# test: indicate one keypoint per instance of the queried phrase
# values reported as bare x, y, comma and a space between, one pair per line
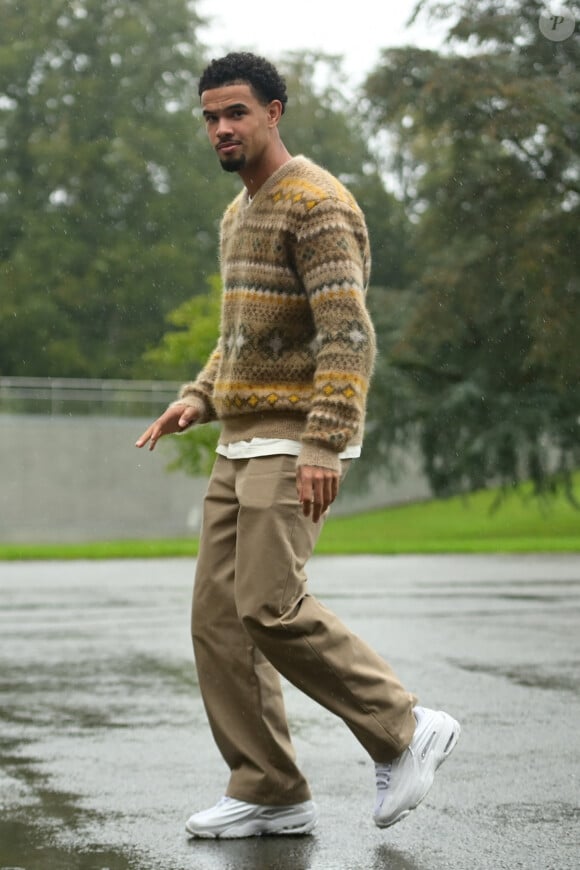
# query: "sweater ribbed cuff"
193, 401
316, 454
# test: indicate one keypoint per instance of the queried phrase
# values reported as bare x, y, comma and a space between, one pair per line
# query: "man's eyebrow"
229, 108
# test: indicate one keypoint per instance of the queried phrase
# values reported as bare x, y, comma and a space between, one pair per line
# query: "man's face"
238, 125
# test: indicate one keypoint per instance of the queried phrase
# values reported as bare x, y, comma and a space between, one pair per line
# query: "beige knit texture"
297, 346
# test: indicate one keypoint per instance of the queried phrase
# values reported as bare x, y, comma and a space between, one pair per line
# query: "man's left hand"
317, 488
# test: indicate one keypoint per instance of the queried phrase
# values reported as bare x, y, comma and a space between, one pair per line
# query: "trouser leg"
240, 688
304, 640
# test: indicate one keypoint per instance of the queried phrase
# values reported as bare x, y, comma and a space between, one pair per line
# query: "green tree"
324, 122
482, 363
193, 333
181, 354
107, 211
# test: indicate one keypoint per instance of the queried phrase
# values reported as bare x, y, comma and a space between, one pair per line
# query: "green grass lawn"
457, 525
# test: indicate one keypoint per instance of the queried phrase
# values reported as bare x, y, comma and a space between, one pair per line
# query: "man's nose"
224, 128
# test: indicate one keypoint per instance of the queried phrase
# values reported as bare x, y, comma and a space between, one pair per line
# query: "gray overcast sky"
355, 29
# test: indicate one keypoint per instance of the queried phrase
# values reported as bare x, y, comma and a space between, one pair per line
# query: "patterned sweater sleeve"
333, 260
198, 393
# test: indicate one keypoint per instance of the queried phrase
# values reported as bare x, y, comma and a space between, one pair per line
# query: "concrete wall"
82, 478
67, 478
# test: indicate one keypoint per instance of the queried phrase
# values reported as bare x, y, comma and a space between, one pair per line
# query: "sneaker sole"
256, 828
447, 750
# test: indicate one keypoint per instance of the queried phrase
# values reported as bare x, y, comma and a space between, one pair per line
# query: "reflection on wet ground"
26, 846
104, 747
563, 677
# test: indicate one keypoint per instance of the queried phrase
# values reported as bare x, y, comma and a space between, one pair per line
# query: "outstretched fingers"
175, 419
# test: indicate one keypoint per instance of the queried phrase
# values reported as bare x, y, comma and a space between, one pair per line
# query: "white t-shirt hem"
273, 447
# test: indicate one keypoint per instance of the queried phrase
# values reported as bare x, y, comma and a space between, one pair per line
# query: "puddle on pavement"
297, 853
528, 676
537, 814
25, 846
84, 695
29, 836
63, 697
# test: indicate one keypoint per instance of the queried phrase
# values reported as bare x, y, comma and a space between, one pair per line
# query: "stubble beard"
233, 165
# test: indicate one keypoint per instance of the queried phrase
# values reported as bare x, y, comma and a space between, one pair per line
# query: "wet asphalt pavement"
104, 748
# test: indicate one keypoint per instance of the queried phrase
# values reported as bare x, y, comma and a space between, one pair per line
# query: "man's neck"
254, 177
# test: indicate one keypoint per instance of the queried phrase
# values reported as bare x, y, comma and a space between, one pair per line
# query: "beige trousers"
253, 619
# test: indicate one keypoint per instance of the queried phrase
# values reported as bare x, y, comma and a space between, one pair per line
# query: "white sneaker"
403, 783
231, 818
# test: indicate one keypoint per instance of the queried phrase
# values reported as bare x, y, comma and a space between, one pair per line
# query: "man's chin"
233, 165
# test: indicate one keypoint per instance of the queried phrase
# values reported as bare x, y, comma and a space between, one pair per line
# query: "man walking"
288, 381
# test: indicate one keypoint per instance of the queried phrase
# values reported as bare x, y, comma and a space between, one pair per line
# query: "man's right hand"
175, 419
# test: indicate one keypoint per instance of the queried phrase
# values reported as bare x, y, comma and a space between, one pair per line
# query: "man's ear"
274, 110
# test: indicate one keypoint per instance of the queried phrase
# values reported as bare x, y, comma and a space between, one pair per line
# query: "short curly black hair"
243, 67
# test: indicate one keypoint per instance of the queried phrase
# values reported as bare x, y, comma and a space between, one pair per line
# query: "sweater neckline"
272, 180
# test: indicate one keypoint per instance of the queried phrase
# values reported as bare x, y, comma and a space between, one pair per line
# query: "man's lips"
227, 147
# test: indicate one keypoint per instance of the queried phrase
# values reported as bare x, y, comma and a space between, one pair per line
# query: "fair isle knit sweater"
297, 346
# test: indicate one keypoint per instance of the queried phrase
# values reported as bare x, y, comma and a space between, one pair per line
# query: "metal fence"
84, 396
